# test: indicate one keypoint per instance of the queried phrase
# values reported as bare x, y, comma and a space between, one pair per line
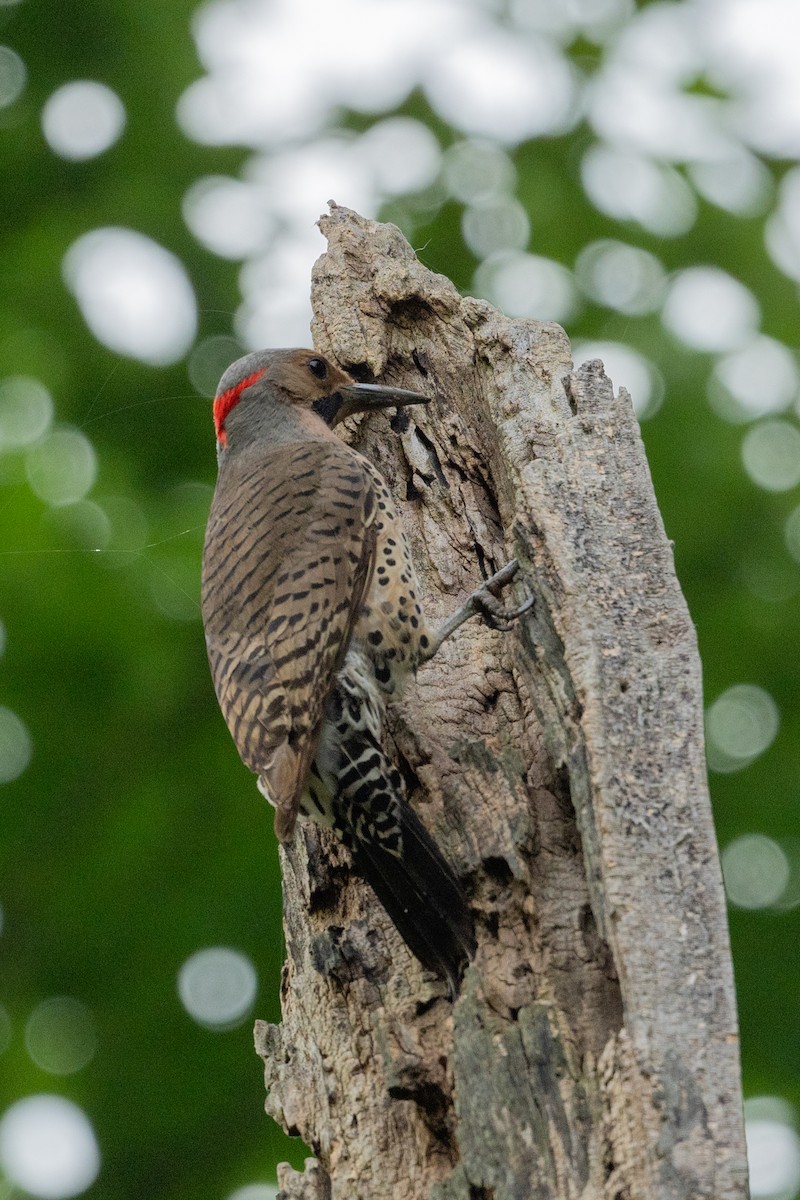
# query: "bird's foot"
484, 602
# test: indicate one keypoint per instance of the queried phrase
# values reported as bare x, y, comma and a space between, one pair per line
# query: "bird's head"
263, 387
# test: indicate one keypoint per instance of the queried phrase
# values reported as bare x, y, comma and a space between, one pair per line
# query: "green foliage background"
136, 837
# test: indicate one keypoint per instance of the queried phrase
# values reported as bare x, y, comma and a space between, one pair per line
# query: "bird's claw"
487, 605
495, 583
485, 600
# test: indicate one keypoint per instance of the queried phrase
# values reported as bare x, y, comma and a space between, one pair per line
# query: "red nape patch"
228, 400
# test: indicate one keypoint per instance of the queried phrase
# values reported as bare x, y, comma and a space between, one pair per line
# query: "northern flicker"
313, 619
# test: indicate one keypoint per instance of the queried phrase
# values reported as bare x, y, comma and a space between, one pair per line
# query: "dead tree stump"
593, 1052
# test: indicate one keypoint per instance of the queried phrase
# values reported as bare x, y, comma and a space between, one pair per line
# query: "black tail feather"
392, 849
422, 896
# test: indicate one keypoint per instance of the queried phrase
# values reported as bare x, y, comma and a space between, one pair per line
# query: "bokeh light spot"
496, 224
475, 170
82, 524
596, 19
769, 578
60, 1035
62, 467
773, 1155
621, 277
527, 285
294, 180
208, 362
189, 502
740, 725
628, 104
48, 1147
771, 455
710, 310
792, 533
228, 216
316, 63
135, 296
631, 187
760, 378
217, 987
26, 410
782, 231
740, 183
790, 896
184, 518
12, 76
774, 1164
402, 155
82, 119
773, 1147
756, 871
275, 311
751, 49
255, 1191
16, 747
175, 587
129, 528
496, 85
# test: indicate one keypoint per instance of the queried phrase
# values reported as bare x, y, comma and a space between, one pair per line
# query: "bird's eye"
318, 367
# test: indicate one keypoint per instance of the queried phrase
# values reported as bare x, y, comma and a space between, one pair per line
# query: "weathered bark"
593, 1050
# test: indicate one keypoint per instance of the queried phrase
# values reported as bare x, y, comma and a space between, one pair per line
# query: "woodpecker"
313, 620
